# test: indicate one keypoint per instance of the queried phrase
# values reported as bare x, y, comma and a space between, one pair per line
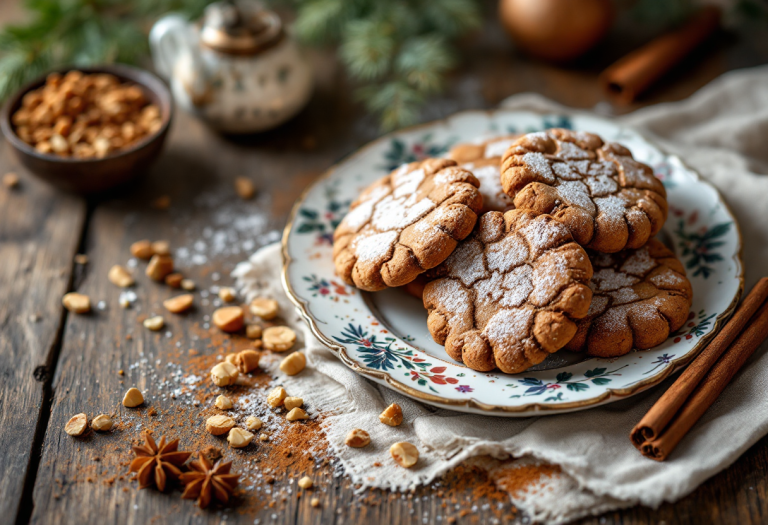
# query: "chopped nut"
239, 438
77, 425
247, 360
142, 250
292, 402
404, 454
180, 303
228, 318
119, 276
258, 343
278, 338
244, 188
223, 403
296, 414
174, 280
293, 364
253, 423
132, 398
77, 303
102, 423
305, 482
227, 294
154, 323
10, 180
392, 415
263, 437
188, 284
159, 267
219, 424
276, 397
253, 331
231, 358
161, 247
264, 308
315, 502
224, 374
357, 438
81, 258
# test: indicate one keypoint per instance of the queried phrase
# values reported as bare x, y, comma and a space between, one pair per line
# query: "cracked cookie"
483, 159
639, 298
508, 296
608, 200
406, 223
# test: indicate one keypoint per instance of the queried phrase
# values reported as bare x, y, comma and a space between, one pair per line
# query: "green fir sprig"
397, 51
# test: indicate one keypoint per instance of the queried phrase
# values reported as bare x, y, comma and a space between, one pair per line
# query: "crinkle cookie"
508, 296
406, 223
608, 200
483, 159
639, 298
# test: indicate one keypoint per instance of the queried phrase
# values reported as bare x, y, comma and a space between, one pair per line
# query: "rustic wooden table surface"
54, 364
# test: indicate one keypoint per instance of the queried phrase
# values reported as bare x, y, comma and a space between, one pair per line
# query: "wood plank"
40, 230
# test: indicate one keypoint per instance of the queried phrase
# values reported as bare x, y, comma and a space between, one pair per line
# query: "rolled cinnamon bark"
659, 416
631, 75
711, 387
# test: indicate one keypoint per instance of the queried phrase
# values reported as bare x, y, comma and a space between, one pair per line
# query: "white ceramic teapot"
236, 68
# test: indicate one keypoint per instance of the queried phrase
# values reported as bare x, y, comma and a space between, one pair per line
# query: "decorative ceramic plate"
384, 335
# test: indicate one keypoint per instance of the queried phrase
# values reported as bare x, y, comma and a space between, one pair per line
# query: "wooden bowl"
94, 175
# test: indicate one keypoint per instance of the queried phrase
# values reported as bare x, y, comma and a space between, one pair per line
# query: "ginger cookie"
406, 223
608, 200
639, 297
510, 293
483, 159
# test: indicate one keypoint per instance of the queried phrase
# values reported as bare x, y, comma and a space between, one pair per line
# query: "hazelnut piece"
161, 247
119, 276
77, 303
253, 331
159, 267
357, 438
264, 308
228, 318
224, 374
392, 415
174, 280
223, 403
404, 454
295, 414
154, 323
142, 250
305, 482
293, 364
278, 338
132, 398
247, 360
253, 423
239, 438
292, 402
180, 303
77, 425
219, 424
102, 423
188, 284
276, 397
226, 294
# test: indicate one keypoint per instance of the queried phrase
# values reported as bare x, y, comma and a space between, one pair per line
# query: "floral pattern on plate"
384, 335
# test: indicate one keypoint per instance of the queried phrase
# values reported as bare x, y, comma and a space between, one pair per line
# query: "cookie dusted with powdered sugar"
406, 223
510, 293
483, 159
608, 200
639, 298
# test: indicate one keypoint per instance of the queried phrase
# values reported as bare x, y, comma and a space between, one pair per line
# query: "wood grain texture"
39, 234
196, 171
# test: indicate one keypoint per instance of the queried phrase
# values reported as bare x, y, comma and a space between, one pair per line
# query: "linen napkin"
591, 465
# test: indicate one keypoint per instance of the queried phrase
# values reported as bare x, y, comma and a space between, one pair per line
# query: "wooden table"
55, 364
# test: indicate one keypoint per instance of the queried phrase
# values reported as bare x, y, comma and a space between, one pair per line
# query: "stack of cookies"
521, 246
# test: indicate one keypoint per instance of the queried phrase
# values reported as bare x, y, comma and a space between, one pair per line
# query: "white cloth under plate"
721, 132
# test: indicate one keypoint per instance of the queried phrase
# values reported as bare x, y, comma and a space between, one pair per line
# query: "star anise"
206, 481
156, 462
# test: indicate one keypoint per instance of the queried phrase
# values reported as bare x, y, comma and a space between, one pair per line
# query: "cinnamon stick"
659, 416
711, 386
631, 75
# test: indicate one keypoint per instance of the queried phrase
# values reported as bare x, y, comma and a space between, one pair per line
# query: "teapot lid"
240, 28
